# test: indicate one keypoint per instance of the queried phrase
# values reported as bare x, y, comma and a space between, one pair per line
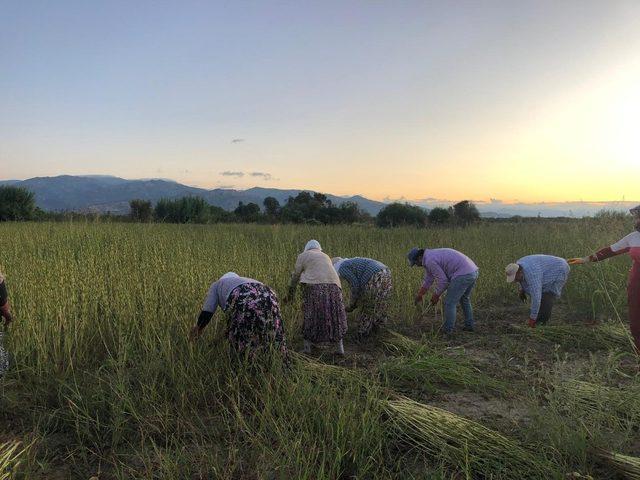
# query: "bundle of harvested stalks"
606, 336
622, 404
624, 464
402, 344
10, 454
325, 370
462, 443
423, 368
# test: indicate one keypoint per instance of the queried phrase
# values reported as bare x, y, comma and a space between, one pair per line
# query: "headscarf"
312, 245
229, 275
337, 261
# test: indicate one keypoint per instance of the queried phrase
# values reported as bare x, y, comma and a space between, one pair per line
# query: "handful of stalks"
626, 465
10, 454
462, 443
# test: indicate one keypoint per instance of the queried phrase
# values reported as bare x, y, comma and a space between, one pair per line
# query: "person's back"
545, 271
452, 262
315, 267
359, 270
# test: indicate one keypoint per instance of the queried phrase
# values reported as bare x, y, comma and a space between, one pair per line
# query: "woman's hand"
195, 333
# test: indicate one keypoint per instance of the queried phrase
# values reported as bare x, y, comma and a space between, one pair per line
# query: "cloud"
264, 175
228, 173
237, 140
495, 201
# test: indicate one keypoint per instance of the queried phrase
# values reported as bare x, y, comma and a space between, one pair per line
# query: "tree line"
17, 203
305, 207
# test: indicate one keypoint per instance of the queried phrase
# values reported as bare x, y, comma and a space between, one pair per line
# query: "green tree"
248, 213
16, 203
465, 212
439, 216
399, 214
141, 210
183, 210
271, 206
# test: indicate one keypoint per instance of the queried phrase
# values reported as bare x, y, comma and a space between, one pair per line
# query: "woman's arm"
602, 254
206, 314
295, 278
605, 253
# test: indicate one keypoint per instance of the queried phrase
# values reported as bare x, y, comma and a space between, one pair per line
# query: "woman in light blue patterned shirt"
371, 285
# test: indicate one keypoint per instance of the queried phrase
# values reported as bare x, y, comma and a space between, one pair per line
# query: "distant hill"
112, 194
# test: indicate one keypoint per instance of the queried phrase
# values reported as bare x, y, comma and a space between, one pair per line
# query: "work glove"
532, 323
435, 298
579, 260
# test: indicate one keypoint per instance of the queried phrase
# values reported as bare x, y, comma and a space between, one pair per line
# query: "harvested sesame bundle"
624, 464
462, 443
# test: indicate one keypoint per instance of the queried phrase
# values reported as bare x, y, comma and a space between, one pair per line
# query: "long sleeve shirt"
441, 265
218, 295
629, 244
357, 272
542, 274
313, 267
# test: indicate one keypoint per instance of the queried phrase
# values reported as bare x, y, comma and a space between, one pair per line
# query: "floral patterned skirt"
254, 320
325, 319
375, 302
4, 356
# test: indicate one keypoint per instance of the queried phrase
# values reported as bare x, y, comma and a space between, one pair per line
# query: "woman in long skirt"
325, 319
631, 245
370, 283
254, 322
5, 312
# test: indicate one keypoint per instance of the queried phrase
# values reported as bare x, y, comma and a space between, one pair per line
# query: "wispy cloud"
264, 175
237, 140
228, 173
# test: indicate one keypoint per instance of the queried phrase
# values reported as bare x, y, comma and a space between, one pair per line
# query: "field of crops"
105, 383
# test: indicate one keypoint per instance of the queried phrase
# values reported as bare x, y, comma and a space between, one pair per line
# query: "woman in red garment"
629, 244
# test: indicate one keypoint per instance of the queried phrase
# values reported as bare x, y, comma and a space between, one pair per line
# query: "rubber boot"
340, 347
306, 346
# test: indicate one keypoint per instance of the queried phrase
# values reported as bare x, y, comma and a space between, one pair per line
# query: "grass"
106, 384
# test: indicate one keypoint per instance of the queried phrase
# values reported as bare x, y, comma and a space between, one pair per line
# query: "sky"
515, 101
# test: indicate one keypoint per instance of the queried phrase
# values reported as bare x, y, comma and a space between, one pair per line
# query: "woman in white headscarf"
629, 244
253, 314
325, 319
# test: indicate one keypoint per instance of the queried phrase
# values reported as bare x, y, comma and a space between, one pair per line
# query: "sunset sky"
514, 100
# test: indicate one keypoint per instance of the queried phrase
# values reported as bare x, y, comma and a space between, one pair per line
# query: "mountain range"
100, 193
